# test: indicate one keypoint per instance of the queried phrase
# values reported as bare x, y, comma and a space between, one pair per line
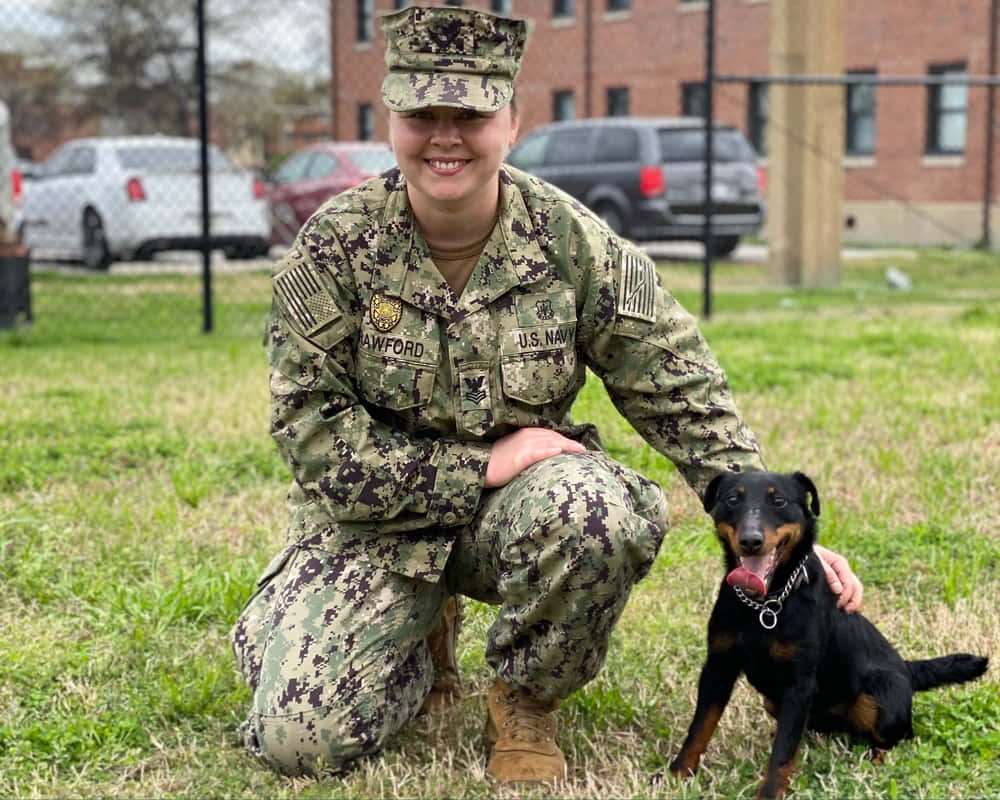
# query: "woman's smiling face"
451, 157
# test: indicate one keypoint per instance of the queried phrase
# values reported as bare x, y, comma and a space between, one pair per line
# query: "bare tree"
33, 95
134, 60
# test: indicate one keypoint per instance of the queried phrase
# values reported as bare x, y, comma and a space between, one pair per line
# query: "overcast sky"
295, 38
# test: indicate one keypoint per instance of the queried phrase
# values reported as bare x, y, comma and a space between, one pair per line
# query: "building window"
366, 122
619, 5
693, 99
859, 135
618, 101
456, 3
366, 20
562, 8
946, 112
500, 6
757, 117
563, 105
401, 4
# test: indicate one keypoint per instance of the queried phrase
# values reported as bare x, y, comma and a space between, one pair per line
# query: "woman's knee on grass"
360, 711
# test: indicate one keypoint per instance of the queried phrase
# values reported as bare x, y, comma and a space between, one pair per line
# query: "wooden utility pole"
806, 143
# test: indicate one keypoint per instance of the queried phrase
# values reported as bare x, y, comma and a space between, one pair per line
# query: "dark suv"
645, 176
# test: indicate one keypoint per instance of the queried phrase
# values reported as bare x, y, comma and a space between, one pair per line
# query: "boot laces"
525, 719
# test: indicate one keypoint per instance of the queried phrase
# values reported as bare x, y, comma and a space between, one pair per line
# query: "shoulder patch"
637, 291
304, 297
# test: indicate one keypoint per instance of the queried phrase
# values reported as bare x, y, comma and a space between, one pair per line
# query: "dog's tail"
955, 668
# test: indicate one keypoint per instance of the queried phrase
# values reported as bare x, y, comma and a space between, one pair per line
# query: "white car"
104, 199
9, 179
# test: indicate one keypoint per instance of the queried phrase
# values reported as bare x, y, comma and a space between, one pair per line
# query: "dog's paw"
682, 767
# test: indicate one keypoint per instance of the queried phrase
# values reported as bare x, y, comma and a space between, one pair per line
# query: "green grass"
140, 497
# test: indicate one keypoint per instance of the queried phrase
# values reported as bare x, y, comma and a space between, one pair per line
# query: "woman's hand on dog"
844, 583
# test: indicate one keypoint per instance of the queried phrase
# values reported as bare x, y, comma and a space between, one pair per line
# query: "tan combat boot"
522, 734
443, 642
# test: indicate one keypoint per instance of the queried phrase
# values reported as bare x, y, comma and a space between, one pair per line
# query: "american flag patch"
306, 300
637, 295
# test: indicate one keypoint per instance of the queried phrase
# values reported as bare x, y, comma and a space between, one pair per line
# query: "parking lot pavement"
177, 262
694, 251
758, 253
186, 262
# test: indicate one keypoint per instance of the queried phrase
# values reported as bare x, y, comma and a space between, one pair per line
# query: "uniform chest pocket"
396, 371
538, 356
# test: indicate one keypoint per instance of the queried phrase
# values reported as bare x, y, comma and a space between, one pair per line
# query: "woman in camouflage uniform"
429, 333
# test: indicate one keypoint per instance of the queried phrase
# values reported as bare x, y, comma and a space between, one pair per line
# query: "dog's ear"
712, 492
807, 484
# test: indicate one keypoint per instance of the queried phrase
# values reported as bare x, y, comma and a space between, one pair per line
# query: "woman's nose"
445, 131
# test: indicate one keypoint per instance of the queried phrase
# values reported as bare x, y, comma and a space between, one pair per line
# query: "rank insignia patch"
637, 295
474, 391
385, 312
305, 298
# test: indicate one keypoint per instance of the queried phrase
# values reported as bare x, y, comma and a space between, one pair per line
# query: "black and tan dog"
776, 620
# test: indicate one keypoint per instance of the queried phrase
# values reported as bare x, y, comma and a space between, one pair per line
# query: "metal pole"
990, 112
206, 214
706, 308
588, 56
334, 12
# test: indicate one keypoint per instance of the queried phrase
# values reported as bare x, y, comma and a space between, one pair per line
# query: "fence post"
206, 206
985, 240
706, 307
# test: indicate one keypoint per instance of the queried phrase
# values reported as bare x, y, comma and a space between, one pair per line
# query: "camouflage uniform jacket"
387, 390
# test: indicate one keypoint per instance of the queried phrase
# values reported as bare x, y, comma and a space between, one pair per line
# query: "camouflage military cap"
456, 57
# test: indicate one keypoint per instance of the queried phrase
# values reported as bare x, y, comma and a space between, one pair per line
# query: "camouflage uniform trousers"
334, 649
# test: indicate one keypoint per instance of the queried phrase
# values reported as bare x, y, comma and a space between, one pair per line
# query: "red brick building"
915, 156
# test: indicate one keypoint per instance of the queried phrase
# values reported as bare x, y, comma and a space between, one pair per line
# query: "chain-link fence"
105, 100
104, 103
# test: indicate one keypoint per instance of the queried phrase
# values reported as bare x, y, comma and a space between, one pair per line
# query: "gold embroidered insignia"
385, 312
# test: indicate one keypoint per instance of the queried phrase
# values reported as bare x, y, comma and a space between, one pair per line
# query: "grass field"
140, 496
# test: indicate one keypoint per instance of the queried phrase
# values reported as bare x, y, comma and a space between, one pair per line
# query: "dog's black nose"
751, 541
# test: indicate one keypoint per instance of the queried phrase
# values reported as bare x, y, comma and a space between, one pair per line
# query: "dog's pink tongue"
746, 580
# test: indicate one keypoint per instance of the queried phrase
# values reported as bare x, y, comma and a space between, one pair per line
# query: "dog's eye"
779, 501
733, 499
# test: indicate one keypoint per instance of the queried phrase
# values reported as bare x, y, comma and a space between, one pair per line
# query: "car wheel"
612, 217
95, 244
724, 245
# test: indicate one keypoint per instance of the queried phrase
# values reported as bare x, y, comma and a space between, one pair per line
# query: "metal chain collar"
771, 607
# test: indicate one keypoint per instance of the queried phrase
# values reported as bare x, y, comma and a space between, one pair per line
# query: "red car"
308, 178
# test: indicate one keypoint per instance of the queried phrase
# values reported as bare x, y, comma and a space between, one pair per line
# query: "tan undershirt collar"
457, 263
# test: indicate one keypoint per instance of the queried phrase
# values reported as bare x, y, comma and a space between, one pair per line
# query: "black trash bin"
15, 287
